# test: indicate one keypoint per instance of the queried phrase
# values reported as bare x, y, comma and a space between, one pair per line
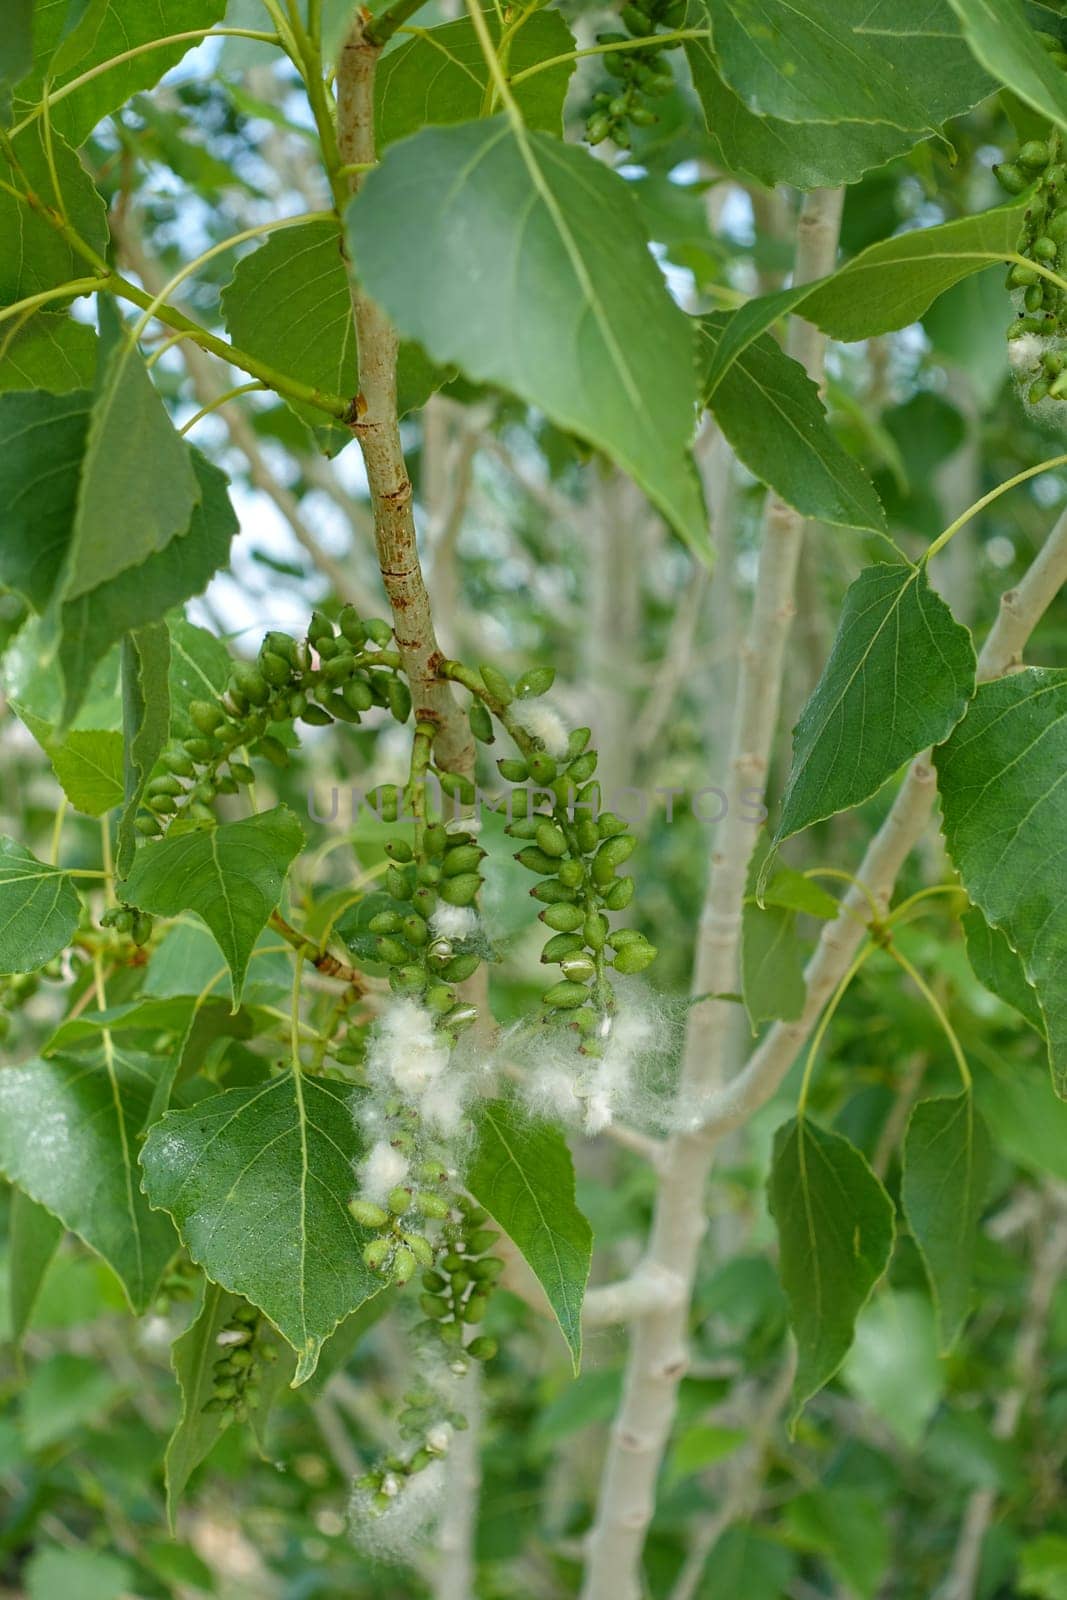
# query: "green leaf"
16, 51
87, 762
441, 77
946, 1169
745, 1563
903, 62
33, 255
289, 303
899, 678
199, 670
807, 155
997, 966
42, 440
847, 1524
885, 287
522, 1173
55, 1573
68, 1130
39, 909
893, 1365
231, 876
1031, 1123
772, 963
67, 46
64, 1394
193, 1356
1001, 777
146, 724
999, 33
797, 893
770, 412
258, 1181
522, 261
138, 488
33, 1239
144, 594
52, 353
700, 1446
835, 1233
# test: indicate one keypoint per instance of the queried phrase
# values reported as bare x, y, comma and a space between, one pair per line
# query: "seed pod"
597, 128
274, 669
421, 1248
461, 858
587, 834
399, 697
565, 996
1021, 277
497, 684
377, 1253
424, 901
434, 1281
391, 951
551, 892
385, 922
440, 998
578, 968
379, 631
1038, 391
1034, 154
404, 1265
1011, 177
242, 772
416, 931
520, 802
581, 769
571, 873
166, 783
487, 1269
536, 681
481, 722
563, 918
525, 829
367, 1214
1034, 298
620, 894
542, 767
561, 946
483, 1348
351, 625
535, 860
356, 695
164, 805
435, 1306
461, 890
251, 683
435, 839
635, 957
461, 1016
480, 1240
595, 930
206, 716
274, 750
475, 1308
1044, 248
316, 717
177, 760
512, 770
199, 749
551, 839
617, 849
431, 1205
398, 883
399, 1200
461, 967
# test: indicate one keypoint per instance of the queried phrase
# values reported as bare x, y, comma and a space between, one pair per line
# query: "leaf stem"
824, 1023
939, 1012
897, 914
497, 75
220, 400
381, 28
987, 499
653, 39
850, 878
57, 829
63, 291
140, 50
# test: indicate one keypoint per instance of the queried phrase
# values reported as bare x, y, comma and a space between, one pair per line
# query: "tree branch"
658, 1356
377, 429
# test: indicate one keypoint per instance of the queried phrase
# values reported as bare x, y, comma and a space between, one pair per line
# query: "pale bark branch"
658, 1355
376, 428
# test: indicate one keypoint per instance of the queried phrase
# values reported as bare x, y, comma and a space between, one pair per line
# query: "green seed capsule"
178, 761
356, 695
483, 1348
578, 968
481, 722
563, 918
535, 860
635, 957
551, 892
497, 685
565, 996
399, 1200
571, 873
435, 1306
561, 946
542, 767
512, 770
461, 858
379, 631
251, 683
1034, 154
416, 931
551, 839
1021, 277
404, 1265
206, 716
242, 772
166, 783
480, 1240
620, 894
421, 1248
424, 901
536, 681
461, 967
597, 128
432, 1205
399, 697
1011, 177
391, 951
274, 669
582, 769
618, 849
351, 625
475, 1308
385, 922
1038, 391
461, 890
595, 930
1044, 248
367, 1214
377, 1253
316, 717
439, 998
588, 835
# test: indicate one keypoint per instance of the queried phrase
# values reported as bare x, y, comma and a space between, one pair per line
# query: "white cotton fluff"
405, 1051
542, 722
382, 1170
397, 1533
454, 922
1026, 352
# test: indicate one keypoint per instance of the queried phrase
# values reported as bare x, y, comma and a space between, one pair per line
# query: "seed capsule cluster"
330, 675
641, 74
401, 1247
1041, 323
456, 1289
235, 1374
